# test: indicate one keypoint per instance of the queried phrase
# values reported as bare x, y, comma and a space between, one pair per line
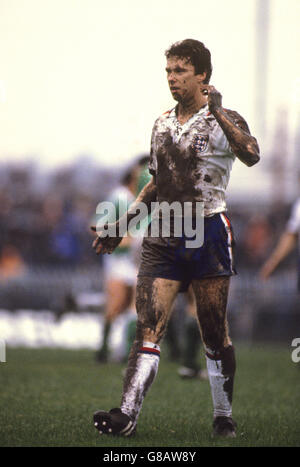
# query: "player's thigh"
118, 295
154, 300
211, 298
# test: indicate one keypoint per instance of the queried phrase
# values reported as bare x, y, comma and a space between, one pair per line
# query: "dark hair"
195, 52
127, 177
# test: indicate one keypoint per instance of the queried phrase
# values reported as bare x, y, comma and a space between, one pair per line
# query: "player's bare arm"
243, 145
286, 243
107, 244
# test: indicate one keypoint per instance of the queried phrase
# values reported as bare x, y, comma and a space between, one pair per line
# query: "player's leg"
211, 297
154, 299
118, 299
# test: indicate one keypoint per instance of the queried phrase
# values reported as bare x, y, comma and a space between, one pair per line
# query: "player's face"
183, 81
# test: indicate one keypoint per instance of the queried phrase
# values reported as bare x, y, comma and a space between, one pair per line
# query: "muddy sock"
221, 369
142, 368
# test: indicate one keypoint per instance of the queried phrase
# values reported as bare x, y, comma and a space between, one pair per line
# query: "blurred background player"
119, 268
285, 245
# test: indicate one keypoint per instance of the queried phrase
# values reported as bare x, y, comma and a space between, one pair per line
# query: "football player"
193, 148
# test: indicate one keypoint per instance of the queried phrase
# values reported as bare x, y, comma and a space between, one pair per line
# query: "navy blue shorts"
169, 258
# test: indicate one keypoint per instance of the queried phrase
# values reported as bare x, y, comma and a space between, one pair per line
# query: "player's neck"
186, 109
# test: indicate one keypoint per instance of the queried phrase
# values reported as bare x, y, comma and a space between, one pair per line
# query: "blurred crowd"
45, 219
47, 261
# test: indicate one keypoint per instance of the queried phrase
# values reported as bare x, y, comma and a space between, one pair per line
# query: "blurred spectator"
11, 263
257, 240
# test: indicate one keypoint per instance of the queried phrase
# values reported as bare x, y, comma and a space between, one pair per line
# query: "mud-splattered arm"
108, 243
146, 196
242, 143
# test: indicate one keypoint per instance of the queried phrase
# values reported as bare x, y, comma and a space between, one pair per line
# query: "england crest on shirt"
200, 142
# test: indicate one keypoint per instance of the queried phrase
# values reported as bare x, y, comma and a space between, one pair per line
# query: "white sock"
140, 375
221, 369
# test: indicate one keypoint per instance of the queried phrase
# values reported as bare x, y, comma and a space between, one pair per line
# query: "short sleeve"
293, 225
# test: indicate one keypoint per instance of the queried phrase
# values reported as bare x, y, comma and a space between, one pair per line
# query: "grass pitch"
48, 397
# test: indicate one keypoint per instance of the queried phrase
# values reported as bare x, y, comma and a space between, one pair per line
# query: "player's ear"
201, 77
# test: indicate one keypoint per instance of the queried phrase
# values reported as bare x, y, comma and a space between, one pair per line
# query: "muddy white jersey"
192, 162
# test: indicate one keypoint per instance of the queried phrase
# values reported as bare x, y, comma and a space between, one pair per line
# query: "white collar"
202, 111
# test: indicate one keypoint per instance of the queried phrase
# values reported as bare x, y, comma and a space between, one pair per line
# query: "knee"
112, 312
215, 334
216, 341
146, 331
149, 329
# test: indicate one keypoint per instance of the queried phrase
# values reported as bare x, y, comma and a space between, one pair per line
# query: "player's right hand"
104, 244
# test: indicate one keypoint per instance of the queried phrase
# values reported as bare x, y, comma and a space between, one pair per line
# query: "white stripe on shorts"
229, 236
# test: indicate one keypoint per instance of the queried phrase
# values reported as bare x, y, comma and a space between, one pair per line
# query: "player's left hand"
214, 97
